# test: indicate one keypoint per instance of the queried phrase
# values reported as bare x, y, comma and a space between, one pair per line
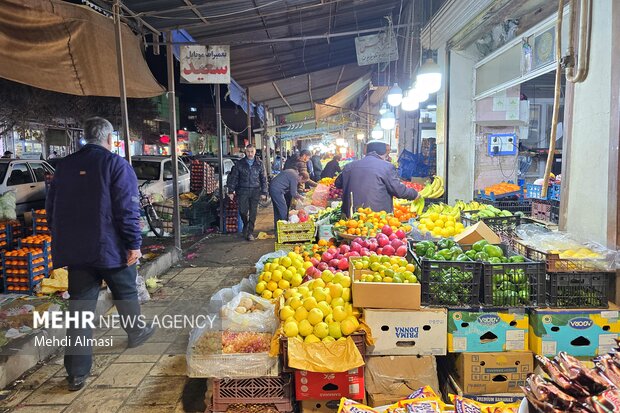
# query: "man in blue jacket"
248, 181
372, 182
93, 211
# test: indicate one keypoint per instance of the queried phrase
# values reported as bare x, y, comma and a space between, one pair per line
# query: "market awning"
342, 99
68, 48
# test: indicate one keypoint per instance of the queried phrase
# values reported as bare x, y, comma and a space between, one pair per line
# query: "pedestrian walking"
372, 182
249, 182
283, 188
93, 212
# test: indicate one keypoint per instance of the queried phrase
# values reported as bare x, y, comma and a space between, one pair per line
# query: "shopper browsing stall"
284, 187
332, 168
372, 182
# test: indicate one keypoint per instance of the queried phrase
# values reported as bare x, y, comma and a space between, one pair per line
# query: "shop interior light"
343, 151
388, 121
377, 132
410, 101
360, 136
419, 93
383, 109
340, 141
429, 77
432, 106
395, 95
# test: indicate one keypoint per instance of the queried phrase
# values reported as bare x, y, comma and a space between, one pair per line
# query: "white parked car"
158, 170
27, 179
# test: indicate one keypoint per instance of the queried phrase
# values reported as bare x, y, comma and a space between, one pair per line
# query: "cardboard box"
454, 388
477, 232
579, 332
384, 295
399, 376
475, 331
408, 333
320, 406
486, 373
330, 386
378, 399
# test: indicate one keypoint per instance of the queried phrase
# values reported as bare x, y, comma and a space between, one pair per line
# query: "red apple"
373, 245
354, 254
401, 251
365, 252
382, 240
327, 257
343, 264
401, 234
387, 230
310, 270
322, 266
344, 248
332, 269
306, 278
333, 250
357, 240
355, 246
314, 261
388, 250
396, 243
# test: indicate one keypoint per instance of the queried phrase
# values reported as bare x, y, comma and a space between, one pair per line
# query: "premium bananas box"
579, 332
475, 331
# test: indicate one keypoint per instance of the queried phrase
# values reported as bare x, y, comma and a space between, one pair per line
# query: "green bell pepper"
471, 254
463, 257
517, 258
479, 246
495, 260
482, 256
493, 251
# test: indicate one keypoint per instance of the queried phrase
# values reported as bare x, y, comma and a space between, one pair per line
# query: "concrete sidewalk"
151, 378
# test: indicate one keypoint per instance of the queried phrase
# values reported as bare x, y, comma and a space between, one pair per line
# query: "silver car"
158, 170
27, 179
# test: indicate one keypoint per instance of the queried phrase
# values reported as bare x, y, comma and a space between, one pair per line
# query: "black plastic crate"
578, 289
450, 283
517, 205
514, 284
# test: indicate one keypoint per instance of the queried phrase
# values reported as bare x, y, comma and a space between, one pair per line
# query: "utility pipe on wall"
583, 55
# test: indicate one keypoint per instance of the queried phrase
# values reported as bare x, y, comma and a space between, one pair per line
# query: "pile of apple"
320, 310
334, 259
388, 242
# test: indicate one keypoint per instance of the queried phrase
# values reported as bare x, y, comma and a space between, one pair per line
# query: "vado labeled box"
330, 386
579, 332
477, 232
487, 373
478, 331
384, 295
408, 333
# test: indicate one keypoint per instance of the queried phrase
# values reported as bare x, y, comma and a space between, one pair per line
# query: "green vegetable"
463, 257
471, 254
479, 246
494, 260
445, 243
482, 256
493, 251
517, 258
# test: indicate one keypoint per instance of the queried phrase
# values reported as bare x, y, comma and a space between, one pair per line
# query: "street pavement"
151, 378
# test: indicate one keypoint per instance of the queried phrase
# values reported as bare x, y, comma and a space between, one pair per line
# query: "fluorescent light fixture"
388, 121
395, 95
377, 132
429, 77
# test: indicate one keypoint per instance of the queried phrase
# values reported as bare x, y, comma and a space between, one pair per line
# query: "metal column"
220, 145
121, 77
176, 216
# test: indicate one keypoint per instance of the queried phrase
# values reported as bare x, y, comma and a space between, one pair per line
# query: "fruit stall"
435, 307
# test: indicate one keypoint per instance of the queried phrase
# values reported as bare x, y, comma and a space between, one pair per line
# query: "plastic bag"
260, 265
247, 312
411, 164
7, 206
320, 196
334, 357
143, 293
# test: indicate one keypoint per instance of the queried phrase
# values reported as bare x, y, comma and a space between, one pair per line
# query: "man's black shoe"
250, 237
76, 382
141, 337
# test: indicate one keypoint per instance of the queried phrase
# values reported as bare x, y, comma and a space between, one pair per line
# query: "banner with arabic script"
205, 64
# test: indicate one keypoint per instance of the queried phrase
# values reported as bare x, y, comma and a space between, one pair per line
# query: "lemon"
276, 275
260, 287
266, 295
272, 285
430, 226
434, 216
439, 223
277, 293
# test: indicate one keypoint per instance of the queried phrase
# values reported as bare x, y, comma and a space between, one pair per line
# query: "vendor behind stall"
372, 182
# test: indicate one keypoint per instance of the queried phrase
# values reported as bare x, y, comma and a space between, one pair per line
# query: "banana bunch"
471, 206
434, 189
443, 209
417, 206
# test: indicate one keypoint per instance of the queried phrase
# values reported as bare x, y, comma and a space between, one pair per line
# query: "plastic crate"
504, 227
554, 263
291, 246
554, 192
535, 192
519, 205
578, 289
22, 273
39, 222
530, 274
276, 391
495, 197
298, 232
359, 338
444, 286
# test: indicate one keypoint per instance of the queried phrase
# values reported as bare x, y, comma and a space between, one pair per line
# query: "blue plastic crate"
554, 192
535, 192
493, 197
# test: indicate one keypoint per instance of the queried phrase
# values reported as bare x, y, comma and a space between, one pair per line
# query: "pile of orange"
38, 239
23, 252
501, 188
402, 212
368, 223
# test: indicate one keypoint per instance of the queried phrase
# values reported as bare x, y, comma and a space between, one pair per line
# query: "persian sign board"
205, 64
376, 48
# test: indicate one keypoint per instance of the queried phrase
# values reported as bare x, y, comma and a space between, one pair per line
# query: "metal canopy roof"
271, 39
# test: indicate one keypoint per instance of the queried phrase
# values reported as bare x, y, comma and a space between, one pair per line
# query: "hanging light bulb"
410, 101
388, 121
377, 132
419, 93
429, 76
395, 95
383, 109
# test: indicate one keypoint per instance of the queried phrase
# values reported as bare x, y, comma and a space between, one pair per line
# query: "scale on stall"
502, 144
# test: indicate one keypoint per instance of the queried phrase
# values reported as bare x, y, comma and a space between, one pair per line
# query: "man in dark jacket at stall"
316, 166
94, 214
332, 168
248, 180
372, 181
282, 190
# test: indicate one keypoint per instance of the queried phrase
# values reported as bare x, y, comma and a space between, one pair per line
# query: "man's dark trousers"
248, 205
84, 287
280, 208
